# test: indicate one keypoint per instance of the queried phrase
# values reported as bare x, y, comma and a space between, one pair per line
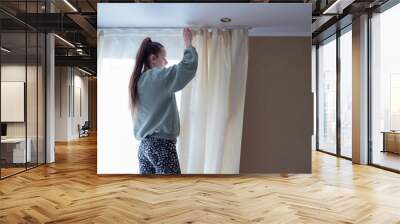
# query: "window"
385, 88
327, 95
334, 94
116, 60
346, 93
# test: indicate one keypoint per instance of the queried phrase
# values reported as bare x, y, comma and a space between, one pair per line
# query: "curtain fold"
212, 104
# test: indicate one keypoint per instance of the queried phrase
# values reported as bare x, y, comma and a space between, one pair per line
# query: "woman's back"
156, 112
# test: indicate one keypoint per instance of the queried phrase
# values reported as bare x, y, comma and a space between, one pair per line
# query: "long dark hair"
146, 49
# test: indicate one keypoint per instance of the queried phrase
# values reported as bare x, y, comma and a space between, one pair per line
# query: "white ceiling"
264, 19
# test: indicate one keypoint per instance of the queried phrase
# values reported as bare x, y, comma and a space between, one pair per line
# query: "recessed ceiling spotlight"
226, 20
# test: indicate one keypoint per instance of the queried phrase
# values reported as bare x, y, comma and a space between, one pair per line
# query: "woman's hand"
187, 37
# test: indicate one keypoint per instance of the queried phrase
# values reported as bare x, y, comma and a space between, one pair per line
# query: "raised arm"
178, 76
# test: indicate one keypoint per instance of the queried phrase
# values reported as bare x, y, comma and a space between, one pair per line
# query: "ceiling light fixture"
79, 51
64, 40
5, 49
84, 71
226, 20
326, 11
70, 5
337, 7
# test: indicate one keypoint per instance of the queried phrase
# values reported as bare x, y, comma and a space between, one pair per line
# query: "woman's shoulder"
157, 74
149, 77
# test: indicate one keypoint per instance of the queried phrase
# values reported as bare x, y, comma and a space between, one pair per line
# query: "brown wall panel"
278, 114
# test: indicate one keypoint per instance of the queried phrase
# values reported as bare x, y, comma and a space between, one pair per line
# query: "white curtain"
212, 104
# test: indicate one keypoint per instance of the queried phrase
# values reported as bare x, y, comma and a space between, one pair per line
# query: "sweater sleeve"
176, 77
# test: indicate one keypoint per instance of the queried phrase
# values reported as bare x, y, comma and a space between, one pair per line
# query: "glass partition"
22, 78
41, 91
32, 95
13, 105
33, 63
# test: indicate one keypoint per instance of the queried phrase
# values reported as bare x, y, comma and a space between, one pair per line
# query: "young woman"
152, 96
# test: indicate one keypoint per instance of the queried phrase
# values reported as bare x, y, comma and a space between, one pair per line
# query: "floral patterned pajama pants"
158, 156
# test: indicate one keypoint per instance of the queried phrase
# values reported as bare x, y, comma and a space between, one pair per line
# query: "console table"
391, 141
13, 150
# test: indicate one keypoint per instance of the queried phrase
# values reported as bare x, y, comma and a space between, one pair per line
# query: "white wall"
12, 101
69, 84
80, 83
61, 103
12, 73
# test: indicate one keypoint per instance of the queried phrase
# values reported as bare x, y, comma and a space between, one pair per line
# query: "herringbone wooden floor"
70, 191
